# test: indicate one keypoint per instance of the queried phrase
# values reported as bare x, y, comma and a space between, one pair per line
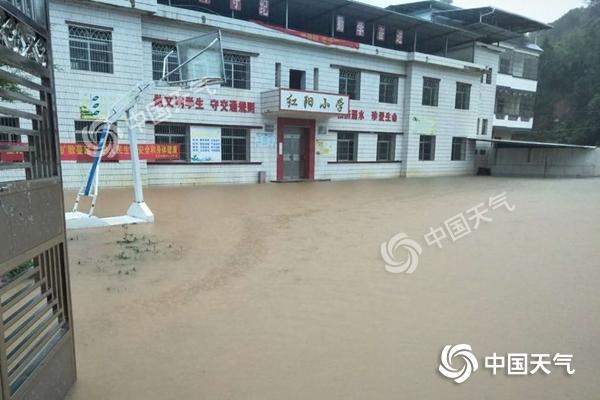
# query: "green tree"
568, 104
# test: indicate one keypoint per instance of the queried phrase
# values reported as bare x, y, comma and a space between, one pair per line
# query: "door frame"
309, 145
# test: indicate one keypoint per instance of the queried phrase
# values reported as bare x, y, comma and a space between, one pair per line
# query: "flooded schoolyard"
279, 291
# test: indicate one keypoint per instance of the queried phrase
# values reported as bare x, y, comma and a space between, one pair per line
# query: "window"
277, 74
346, 146
488, 76
530, 67
385, 146
350, 83
388, 89
526, 106
159, 52
237, 70
234, 144
500, 105
82, 135
91, 139
459, 149
506, 63
297, 79
316, 79
427, 148
11, 122
90, 49
484, 126
463, 95
431, 91
173, 134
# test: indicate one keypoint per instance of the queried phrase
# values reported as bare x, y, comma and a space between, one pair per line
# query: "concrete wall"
545, 162
445, 121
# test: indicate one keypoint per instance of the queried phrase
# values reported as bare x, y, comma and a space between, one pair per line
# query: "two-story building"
314, 89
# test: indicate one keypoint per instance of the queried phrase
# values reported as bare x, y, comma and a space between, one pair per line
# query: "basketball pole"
138, 211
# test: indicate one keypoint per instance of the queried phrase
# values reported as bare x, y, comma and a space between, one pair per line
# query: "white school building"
324, 90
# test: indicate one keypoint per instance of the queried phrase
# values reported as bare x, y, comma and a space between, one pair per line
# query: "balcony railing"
525, 119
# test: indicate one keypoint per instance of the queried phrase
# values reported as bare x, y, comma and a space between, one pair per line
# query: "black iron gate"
37, 358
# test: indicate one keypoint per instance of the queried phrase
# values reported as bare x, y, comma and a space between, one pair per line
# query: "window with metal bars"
385, 146
235, 144
81, 131
26, 6
388, 89
463, 96
173, 134
90, 49
350, 83
237, 70
431, 91
11, 122
159, 52
346, 146
93, 139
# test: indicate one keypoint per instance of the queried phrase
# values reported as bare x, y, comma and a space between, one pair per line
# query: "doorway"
294, 153
297, 79
295, 149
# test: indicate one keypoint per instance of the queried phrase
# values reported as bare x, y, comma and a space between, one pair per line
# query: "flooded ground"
279, 291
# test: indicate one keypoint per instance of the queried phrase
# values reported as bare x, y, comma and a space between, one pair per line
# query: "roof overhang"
502, 143
493, 24
315, 16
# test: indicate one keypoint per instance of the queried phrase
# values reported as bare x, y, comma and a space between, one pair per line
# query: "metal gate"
37, 357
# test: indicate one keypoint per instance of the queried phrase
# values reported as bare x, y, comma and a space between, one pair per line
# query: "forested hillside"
568, 103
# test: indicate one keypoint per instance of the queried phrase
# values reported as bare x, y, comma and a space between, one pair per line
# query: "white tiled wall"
132, 36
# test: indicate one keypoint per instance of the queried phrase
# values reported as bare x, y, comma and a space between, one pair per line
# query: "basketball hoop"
200, 61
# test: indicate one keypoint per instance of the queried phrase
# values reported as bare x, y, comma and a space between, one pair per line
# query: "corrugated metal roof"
521, 143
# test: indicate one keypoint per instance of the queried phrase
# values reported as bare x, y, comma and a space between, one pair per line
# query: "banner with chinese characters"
297, 100
235, 5
339, 23
205, 143
199, 103
360, 28
315, 37
374, 115
150, 152
380, 33
399, 36
263, 8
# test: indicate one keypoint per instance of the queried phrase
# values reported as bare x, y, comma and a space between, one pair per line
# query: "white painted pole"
135, 162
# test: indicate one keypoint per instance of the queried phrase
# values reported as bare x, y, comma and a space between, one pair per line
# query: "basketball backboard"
200, 59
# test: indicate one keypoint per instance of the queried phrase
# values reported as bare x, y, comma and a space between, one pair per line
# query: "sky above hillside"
541, 10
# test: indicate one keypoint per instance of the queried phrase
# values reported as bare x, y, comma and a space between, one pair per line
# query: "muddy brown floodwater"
279, 291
